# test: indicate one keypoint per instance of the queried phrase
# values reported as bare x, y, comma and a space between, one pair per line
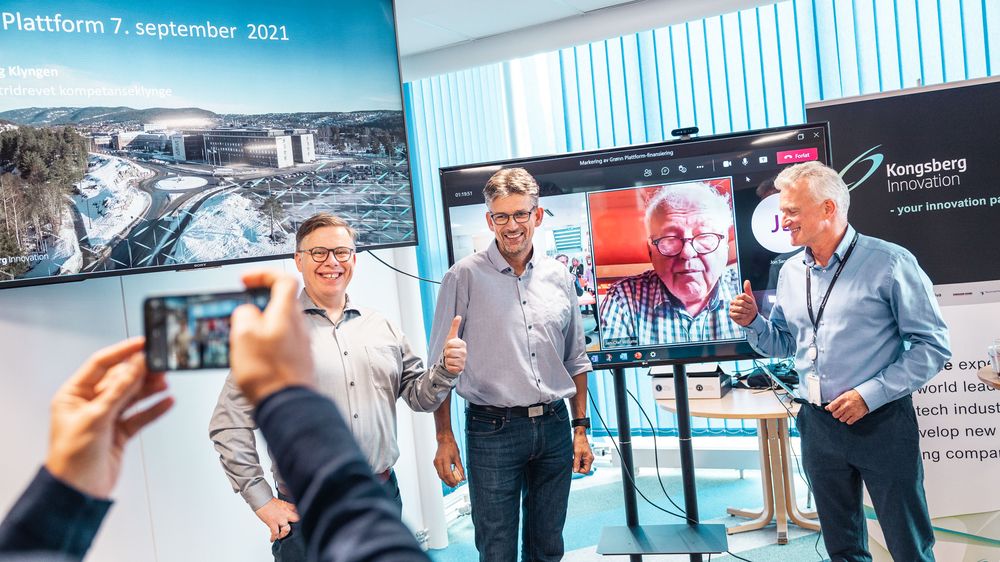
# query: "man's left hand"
583, 457
849, 407
92, 417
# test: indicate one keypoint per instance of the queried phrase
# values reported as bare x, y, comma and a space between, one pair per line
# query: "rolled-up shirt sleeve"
575, 356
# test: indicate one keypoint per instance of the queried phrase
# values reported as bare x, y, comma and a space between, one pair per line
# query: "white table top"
739, 403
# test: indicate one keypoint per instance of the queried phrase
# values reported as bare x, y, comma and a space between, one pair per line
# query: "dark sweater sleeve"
346, 515
52, 517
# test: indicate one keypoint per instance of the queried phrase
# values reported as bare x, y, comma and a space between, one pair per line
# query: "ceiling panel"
591, 5
418, 36
426, 25
482, 19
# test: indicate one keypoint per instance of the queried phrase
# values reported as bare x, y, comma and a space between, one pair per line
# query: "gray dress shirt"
364, 364
524, 334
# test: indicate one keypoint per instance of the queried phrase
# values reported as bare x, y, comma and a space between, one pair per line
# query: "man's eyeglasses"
319, 253
670, 246
519, 217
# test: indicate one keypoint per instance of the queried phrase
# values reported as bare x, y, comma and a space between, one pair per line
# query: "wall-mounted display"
144, 136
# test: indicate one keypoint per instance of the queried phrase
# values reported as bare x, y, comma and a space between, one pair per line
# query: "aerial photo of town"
151, 154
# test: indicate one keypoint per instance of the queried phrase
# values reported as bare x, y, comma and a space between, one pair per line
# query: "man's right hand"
270, 349
448, 462
278, 515
743, 308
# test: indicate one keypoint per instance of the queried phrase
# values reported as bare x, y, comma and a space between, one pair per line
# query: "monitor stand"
634, 540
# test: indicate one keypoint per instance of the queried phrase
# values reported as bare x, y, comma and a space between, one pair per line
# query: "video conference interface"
659, 238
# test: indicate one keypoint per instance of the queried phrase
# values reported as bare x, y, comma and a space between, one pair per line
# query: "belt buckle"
535, 411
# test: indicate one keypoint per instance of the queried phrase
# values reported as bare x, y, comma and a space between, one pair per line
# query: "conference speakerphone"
711, 384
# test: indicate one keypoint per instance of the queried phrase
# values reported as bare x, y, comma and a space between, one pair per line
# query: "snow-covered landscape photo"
121, 155
144, 206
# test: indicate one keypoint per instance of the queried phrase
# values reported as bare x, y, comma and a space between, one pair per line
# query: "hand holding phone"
185, 332
271, 349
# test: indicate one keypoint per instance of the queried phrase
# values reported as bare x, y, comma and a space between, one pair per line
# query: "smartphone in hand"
185, 332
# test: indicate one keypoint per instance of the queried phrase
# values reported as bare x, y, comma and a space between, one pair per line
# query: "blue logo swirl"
874, 161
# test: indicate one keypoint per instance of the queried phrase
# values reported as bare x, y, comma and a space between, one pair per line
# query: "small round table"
987, 375
771, 413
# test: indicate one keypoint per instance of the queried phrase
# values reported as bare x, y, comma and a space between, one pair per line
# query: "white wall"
173, 502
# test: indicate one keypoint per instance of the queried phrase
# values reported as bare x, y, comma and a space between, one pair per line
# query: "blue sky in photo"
340, 56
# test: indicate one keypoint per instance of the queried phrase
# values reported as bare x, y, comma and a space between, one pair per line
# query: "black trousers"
882, 450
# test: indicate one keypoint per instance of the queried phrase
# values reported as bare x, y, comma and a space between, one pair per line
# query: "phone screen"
186, 332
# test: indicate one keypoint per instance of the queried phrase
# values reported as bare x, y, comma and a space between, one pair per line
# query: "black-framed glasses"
320, 254
705, 243
519, 217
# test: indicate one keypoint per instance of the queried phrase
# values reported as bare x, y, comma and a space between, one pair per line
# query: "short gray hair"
511, 181
693, 196
822, 181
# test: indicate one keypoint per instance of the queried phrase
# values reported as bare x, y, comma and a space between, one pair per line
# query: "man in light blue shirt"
861, 319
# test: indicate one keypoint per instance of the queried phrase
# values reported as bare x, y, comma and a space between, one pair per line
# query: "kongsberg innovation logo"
929, 174
874, 161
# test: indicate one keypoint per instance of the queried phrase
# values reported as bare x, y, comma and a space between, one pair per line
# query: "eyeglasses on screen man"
705, 243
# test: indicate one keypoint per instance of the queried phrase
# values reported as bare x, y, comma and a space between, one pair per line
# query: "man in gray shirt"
363, 363
526, 356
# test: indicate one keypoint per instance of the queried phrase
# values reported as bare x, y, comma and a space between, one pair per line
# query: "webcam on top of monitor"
684, 133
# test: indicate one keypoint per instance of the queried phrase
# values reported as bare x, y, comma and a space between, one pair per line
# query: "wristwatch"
581, 422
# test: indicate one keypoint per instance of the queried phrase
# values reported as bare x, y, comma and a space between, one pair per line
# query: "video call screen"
659, 237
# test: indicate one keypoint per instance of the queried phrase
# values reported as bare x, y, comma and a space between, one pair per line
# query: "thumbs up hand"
743, 308
454, 349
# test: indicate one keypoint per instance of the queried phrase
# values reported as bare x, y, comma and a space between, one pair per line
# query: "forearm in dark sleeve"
52, 517
345, 512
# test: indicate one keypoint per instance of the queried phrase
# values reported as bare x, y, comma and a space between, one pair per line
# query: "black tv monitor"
636, 303
138, 137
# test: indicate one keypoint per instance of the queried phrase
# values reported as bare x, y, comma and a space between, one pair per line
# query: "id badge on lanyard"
812, 379
812, 387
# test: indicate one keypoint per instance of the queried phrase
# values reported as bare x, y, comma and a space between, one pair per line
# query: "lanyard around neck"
822, 306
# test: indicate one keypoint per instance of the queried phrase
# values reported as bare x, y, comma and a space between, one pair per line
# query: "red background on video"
618, 230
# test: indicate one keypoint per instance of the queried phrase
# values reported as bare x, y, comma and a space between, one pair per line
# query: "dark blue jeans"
519, 465
292, 548
882, 450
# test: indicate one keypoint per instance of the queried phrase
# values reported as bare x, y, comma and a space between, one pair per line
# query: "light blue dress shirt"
881, 334
524, 334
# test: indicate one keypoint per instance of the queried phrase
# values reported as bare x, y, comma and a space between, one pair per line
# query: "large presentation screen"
137, 136
658, 237
923, 171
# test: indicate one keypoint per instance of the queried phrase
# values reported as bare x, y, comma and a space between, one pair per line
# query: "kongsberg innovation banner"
139, 135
